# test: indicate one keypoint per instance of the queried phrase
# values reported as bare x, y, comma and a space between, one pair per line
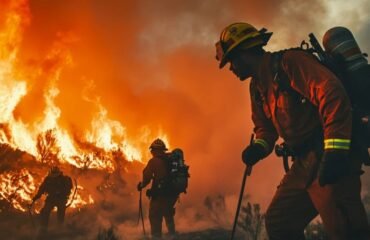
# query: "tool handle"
249, 169
247, 172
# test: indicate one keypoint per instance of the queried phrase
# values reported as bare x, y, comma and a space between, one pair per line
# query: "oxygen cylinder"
340, 43
178, 155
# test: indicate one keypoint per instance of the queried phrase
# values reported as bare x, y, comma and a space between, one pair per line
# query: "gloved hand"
35, 198
139, 186
253, 153
335, 165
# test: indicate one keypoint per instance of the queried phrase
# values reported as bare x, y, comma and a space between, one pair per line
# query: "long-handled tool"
141, 215
247, 172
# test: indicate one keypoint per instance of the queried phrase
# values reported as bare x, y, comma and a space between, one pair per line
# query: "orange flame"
17, 188
45, 139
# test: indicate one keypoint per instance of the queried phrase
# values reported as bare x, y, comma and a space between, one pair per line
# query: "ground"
21, 226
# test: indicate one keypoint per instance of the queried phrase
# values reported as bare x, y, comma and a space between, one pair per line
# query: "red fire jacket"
321, 101
155, 170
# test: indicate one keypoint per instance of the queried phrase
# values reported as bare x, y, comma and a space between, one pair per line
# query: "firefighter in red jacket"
293, 96
58, 188
162, 199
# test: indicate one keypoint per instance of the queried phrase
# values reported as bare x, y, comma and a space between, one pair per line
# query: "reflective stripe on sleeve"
263, 143
336, 143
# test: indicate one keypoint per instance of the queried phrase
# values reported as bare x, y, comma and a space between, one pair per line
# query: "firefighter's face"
241, 65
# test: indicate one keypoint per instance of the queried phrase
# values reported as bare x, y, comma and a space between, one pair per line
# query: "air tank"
340, 43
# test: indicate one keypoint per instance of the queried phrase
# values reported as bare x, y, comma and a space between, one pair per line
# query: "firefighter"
162, 199
58, 188
296, 98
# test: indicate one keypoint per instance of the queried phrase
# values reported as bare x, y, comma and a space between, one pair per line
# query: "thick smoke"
152, 66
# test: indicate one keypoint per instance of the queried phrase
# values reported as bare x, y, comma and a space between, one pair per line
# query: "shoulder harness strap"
280, 76
255, 93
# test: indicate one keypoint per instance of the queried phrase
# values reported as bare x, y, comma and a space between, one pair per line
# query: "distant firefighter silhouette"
169, 176
58, 188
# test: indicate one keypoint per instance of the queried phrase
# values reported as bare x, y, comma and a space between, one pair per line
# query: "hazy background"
152, 65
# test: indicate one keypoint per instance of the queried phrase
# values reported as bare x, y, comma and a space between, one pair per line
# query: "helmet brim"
264, 37
158, 148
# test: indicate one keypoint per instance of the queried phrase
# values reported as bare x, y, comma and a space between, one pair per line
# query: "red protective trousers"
162, 207
299, 199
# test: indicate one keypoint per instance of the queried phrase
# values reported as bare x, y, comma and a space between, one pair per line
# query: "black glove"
139, 186
335, 165
253, 153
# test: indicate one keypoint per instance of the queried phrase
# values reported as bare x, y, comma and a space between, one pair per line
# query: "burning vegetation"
99, 158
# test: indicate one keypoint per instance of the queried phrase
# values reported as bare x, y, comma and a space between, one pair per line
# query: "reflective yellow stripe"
263, 143
337, 143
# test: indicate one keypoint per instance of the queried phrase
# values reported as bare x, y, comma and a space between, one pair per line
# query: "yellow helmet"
235, 34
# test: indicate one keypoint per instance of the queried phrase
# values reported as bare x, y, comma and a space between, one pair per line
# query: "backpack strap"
281, 78
255, 93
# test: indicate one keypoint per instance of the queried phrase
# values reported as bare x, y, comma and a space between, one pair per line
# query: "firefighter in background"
313, 116
162, 199
58, 188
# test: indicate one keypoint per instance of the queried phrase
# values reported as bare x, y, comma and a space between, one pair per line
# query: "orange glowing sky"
152, 65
